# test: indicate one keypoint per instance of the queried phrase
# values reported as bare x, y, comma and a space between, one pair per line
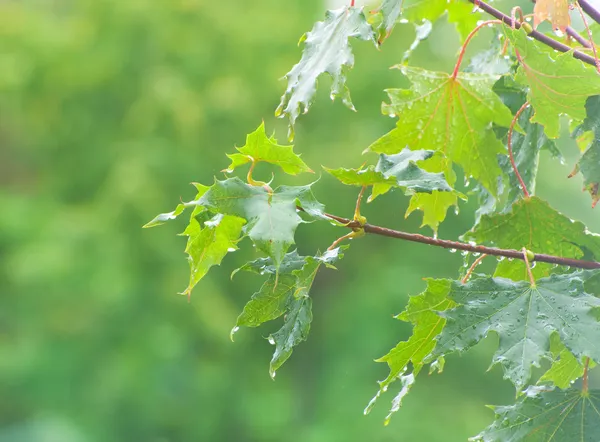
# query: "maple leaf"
523, 316
558, 83
533, 224
390, 11
259, 147
421, 312
555, 11
399, 170
164, 217
452, 115
589, 163
286, 291
208, 245
545, 416
271, 217
326, 50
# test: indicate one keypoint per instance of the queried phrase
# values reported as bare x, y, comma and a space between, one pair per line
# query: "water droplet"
271, 340
231, 249
464, 252
452, 250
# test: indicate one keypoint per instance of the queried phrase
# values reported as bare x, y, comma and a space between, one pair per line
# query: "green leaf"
398, 170
421, 312
459, 12
259, 147
547, 416
524, 318
286, 291
451, 115
390, 11
558, 83
326, 50
164, 217
565, 367
589, 163
533, 224
271, 218
208, 246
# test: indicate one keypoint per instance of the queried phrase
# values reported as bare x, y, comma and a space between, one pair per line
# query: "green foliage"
326, 50
543, 416
523, 316
493, 121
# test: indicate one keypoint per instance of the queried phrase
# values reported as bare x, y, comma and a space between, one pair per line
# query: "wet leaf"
589, 163
555, 11
524, 317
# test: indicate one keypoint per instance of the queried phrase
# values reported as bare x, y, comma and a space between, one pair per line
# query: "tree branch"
455, 245
590, 10
538, 35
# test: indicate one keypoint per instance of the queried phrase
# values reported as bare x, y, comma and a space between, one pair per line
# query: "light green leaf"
271, 218
390, 11
164, 217
421, 312
326, 50
453, 116
259, 147
565, 367
533, 224
558, 83
547, 416
524, 317
208, 246
589, 163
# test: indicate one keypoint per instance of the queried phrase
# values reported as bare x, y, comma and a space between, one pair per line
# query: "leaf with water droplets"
399, 170
452, 115
547, 416
390, 11
524, 317
589, 163
259, 147
208, 245
271, 217
558, 83
533, 224
421, 312
326, 50
164, 217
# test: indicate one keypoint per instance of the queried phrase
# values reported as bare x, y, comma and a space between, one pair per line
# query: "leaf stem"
538, 35
510, 151
357, 215
475, 264
589, 33
456, 245
526, 259
590, 10
467, 40
585, 387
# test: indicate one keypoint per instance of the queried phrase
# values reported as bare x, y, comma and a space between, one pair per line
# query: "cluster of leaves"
491, 120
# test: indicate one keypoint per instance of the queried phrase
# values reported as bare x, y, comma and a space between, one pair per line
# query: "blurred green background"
108, 110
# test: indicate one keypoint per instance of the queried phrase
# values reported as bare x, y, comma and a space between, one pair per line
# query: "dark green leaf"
271, 218
524, 318
547, 416
589, 163
326, 50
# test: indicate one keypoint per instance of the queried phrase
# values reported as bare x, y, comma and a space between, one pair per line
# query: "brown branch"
578, 37
535, 34
456, 245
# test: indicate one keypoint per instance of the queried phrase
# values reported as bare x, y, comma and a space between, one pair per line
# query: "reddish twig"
535, 34
589, 33
475, 264
526, 259
456, 245
467, 40
509, 145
